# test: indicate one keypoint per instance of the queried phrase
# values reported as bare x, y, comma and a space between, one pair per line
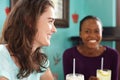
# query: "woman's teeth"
92, 41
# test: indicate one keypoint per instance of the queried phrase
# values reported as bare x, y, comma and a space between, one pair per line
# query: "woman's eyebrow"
51, 18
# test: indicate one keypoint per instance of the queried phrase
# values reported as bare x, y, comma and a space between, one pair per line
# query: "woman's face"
45, 27
91, 33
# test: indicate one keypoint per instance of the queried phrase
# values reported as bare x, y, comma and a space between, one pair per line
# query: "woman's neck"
90, 52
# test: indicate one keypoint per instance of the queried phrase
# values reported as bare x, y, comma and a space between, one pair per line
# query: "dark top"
89, 65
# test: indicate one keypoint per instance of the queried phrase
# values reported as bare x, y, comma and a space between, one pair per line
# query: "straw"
102, 60
73, 66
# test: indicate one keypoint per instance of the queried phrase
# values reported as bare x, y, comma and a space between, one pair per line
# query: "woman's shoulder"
4, 55
71, 48
70, 51
6, 66
111, 51
3, 51
3, 47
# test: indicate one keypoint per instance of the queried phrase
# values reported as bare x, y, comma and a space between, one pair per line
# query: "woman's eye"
50, 21
97, 31
87, 31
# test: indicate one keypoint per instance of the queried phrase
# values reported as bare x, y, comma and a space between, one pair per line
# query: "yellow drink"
104, 74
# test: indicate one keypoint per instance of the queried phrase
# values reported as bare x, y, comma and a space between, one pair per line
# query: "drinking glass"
77, 76
104, 74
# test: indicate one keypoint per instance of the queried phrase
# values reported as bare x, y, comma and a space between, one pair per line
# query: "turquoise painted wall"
3, 5
104, 9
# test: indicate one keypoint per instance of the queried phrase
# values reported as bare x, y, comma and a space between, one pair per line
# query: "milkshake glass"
74, 77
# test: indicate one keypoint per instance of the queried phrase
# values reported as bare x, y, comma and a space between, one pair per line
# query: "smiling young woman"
27, 28
88, 54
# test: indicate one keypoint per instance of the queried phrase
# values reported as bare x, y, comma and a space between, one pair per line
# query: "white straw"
73, 66
102, 60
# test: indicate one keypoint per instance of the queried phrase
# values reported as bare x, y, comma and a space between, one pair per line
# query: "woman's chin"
47, 44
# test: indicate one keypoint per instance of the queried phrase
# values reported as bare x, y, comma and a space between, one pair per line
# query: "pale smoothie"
74, 77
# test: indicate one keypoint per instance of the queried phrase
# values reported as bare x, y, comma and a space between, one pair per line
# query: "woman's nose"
92, 34
54, 29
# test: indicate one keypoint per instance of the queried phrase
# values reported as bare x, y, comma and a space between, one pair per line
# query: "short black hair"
88, 17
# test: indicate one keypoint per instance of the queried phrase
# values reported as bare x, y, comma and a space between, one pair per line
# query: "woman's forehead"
92, 23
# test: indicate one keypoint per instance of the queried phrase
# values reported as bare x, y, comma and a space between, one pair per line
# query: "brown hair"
19, 32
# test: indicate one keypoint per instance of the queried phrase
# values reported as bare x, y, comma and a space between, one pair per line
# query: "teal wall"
3, 5
104, 9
